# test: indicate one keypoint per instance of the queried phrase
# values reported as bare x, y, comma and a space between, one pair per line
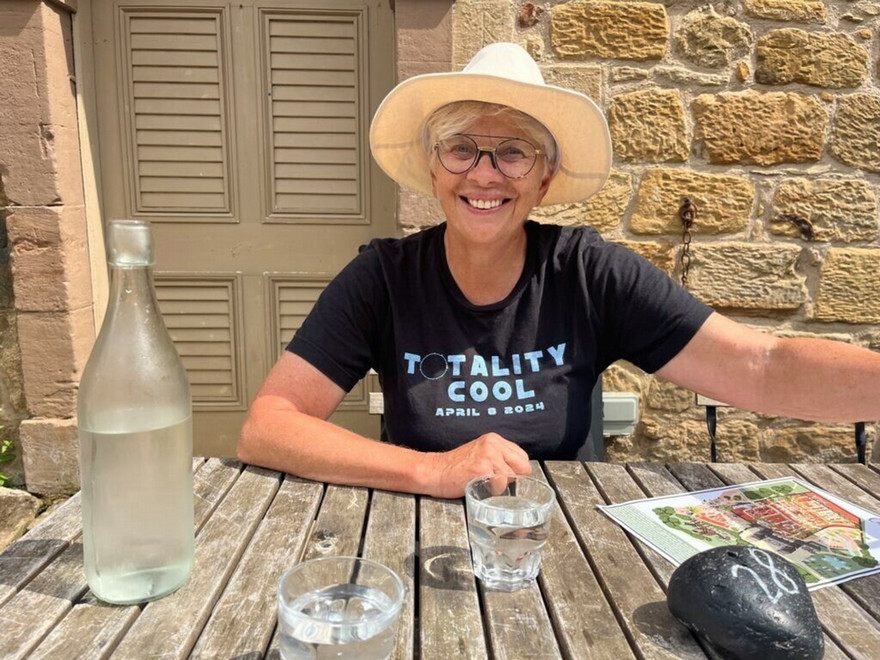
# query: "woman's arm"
286, 429
806, 378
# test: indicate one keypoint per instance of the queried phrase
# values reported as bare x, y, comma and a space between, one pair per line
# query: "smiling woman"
489, 331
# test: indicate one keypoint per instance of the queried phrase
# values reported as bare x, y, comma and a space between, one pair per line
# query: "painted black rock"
746, 603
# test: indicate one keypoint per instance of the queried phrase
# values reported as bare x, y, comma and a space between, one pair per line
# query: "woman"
489, 331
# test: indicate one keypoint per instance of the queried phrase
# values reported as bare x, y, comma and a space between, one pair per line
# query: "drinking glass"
339, 607
508, 524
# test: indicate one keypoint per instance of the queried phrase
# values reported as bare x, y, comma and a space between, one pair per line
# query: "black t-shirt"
523, 367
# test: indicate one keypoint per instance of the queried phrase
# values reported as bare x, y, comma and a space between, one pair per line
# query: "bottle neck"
132, 288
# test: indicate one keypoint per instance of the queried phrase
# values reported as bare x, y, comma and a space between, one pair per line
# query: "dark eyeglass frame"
491, 152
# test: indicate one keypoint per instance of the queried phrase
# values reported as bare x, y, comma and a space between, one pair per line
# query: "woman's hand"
490, 454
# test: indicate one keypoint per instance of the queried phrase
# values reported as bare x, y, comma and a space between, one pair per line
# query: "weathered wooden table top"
599, 594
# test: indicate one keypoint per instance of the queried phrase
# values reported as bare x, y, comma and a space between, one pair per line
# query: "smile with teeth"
484, 203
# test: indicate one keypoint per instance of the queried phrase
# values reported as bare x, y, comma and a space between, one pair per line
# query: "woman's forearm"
821, 380
277, 436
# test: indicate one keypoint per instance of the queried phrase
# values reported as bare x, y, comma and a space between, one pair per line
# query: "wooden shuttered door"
240, 130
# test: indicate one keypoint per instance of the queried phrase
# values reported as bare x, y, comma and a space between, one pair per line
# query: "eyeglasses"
513, 157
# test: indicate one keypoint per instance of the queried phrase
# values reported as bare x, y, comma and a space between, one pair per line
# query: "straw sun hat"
505, 74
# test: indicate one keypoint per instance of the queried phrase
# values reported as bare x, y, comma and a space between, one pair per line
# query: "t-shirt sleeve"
646, 317
340, 335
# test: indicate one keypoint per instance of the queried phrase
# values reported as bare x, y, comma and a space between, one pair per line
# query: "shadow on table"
445, 567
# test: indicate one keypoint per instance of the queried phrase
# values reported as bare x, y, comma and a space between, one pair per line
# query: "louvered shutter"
316, 130
176, 113
201, 320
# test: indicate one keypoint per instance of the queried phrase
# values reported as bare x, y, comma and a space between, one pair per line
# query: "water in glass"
345, 621
506, 534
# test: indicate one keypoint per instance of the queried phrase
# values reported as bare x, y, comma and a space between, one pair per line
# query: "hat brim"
573, 119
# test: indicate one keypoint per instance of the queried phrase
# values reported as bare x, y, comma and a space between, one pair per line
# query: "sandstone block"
795, 11
668, 437
712, 41
736, 440
54, 350
17, 509
759, 128
418, 210
55, 66
848, 283
478, 23
808, 444
615, 30
50, 258
21, 92
747, 276
38, 63
604, 210
813, 58
623, 377
855, 138
628, 73
663, 395
724, 203
408, 69
586, 79
51, 455
41, 165
837, 210
661, 255
649, 126
534, 46
414, 20
682, 76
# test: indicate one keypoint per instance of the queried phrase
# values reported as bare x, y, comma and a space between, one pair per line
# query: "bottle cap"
129, 243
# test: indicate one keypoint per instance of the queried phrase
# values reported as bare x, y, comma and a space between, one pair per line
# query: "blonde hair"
454, 118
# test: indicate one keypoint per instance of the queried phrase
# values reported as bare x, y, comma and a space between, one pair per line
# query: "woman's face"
508, 201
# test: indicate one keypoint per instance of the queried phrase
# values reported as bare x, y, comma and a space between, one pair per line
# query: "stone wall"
766, 113
45, 221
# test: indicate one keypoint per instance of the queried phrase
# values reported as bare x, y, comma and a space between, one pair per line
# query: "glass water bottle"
135, 433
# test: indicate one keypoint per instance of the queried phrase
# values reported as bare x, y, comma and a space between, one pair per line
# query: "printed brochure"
828, 539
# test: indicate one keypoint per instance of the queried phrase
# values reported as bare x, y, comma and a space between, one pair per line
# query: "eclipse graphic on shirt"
433, 366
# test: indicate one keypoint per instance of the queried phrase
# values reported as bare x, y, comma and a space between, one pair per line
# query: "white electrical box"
620, 413
706, 401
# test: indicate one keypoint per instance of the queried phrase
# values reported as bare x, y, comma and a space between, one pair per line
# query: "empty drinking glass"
508, 524
339, 607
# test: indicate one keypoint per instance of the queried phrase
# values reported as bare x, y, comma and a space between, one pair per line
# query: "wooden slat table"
600, 594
